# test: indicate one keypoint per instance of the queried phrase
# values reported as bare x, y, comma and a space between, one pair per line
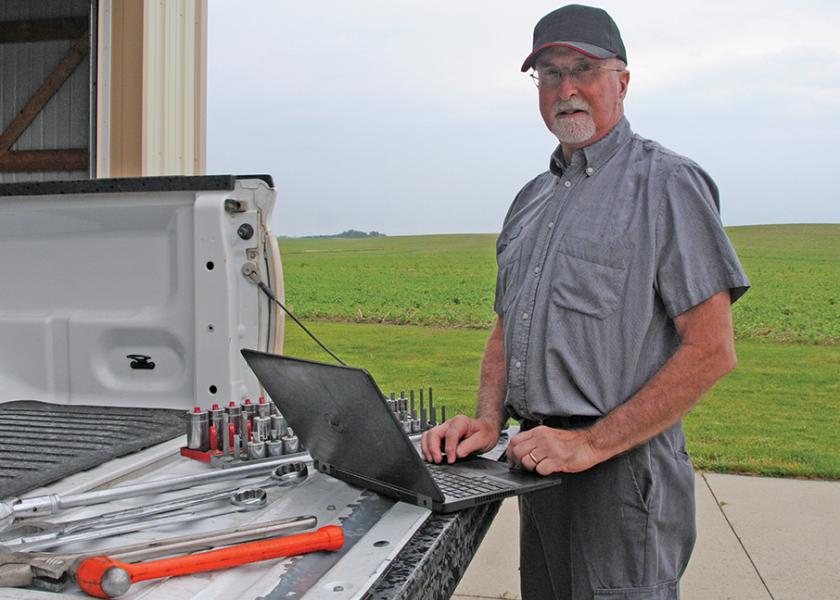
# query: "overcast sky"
413, 117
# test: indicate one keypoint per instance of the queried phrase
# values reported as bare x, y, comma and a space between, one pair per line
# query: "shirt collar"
594, 155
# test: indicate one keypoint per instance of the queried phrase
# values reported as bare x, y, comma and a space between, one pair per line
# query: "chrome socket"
198, 430
263, 408
275, 448
291, 443
261, 429
234, 412
225, 433
279, 428
256, 450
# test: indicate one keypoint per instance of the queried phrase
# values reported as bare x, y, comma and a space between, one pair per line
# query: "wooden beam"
28, 161
39, 99
42, 30
127, 88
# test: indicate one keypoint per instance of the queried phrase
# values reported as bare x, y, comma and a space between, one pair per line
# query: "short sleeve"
497, 299
507, 249
695, 259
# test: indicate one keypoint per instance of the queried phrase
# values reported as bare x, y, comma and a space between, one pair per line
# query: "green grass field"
445, 280
449, 280
777, 414
795, 273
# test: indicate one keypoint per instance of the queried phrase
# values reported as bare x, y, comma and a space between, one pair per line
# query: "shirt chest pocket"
589, 277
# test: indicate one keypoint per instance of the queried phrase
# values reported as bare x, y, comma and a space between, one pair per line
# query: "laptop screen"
343, 420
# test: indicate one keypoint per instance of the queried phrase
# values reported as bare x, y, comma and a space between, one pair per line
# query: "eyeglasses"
581, 73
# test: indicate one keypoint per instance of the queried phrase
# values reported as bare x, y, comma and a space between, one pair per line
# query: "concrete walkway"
758, 539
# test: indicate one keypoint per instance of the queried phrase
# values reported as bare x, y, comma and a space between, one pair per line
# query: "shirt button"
550, 225
537, 270
518, 364
525, 316
567, 183
589, 170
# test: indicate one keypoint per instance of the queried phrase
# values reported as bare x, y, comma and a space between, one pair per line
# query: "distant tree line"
350, 233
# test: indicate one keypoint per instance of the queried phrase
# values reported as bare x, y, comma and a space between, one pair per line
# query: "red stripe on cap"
527, 64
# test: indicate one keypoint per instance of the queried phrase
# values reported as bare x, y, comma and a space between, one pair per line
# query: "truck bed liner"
41, 443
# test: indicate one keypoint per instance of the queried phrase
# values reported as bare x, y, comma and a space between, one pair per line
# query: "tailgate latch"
140, 361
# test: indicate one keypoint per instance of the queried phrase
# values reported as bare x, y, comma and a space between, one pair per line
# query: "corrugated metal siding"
65, 120
174, 87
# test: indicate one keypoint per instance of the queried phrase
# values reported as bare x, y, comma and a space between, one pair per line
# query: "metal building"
102, 88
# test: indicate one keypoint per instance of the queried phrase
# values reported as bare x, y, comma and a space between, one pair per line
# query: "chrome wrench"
15, 508
242, 501
33, 531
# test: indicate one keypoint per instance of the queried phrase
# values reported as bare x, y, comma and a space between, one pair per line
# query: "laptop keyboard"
459, 486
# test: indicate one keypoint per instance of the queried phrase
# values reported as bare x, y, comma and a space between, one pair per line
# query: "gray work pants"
623, 530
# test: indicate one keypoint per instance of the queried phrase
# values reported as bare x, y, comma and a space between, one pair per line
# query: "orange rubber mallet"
105, 577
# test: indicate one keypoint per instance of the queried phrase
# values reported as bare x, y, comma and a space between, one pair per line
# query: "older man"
613, 300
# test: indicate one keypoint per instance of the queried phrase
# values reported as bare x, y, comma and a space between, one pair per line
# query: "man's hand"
461, 435
546, 450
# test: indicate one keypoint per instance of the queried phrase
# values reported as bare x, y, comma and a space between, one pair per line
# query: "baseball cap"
589, 30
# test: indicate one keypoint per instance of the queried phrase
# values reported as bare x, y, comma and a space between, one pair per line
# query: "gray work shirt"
595, 259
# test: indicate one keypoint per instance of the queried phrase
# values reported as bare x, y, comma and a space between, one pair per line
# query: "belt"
570, 422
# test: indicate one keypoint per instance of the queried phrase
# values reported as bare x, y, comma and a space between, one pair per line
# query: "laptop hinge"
425, 501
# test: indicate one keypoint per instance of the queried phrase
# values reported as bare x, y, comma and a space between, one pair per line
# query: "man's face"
580, 112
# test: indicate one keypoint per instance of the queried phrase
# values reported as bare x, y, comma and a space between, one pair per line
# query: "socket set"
259, 432
239, 432
406, 411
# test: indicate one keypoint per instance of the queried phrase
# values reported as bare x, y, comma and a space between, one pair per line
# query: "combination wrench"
12, 509
33, 536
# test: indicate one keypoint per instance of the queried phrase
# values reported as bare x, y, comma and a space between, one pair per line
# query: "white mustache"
572, 104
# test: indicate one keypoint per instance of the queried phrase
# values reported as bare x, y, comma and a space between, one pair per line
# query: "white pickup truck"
124, 304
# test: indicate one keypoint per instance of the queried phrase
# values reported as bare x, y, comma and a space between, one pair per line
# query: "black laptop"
344, 421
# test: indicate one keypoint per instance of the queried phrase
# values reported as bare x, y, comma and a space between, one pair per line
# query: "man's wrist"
496, 421
593, 442
604, 439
